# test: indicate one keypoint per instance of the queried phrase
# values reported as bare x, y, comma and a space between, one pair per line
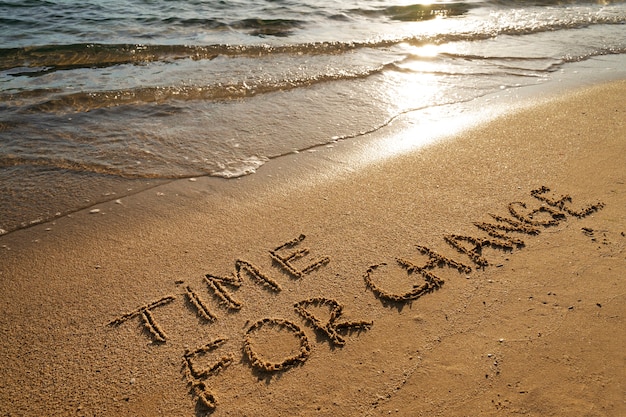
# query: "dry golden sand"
110, 313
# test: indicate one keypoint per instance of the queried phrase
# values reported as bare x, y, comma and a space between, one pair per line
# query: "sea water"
99, 98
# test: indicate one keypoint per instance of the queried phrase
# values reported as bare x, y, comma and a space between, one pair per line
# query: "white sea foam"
239, 168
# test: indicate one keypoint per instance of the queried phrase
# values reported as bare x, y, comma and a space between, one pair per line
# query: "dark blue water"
101, 98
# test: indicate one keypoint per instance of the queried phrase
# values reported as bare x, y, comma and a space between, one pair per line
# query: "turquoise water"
102, 98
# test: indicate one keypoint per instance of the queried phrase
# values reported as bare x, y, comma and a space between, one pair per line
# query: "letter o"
264, 365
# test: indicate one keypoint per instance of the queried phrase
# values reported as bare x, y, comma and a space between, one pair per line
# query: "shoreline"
87, 190
523, 334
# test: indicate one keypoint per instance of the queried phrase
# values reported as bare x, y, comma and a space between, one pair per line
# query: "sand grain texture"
539, 331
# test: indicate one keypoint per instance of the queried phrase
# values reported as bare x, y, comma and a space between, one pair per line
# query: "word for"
197, 377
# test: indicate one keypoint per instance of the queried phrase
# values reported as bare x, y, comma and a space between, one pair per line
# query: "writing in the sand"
524, 219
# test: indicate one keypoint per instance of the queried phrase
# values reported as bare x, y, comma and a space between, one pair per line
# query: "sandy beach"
482, 274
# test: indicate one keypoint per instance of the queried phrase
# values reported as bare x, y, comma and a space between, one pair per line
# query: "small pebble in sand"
94, 211
193, 179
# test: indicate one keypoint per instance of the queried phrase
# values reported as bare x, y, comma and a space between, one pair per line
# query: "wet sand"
479, 275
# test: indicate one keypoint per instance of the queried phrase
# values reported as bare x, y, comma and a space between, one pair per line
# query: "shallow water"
102, 98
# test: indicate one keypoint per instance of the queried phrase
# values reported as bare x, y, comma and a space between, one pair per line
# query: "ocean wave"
91, 55
550, 3
49, 58
253, 25
73, 165
416, 12
29, 101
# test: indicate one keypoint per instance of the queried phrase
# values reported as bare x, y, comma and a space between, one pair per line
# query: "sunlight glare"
426, 51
